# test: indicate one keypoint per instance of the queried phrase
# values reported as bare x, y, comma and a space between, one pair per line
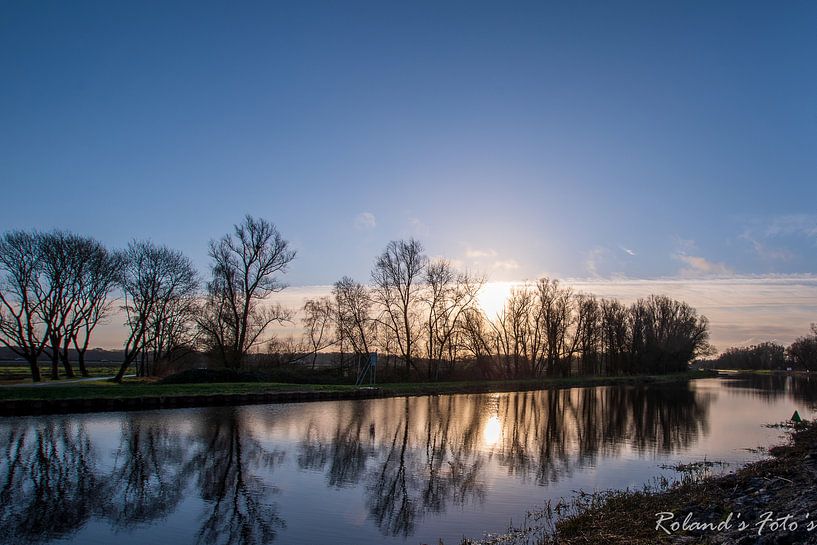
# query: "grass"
131, 388
21, 374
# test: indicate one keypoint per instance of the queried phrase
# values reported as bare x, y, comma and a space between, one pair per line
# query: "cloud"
477, 254
506, 264
594, 259
697, 265
365, 220
764, 251
417, 227
793, 224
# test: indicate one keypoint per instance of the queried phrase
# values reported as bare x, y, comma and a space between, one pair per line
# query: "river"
398, 470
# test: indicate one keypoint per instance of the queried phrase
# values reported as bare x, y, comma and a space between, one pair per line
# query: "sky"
600, 142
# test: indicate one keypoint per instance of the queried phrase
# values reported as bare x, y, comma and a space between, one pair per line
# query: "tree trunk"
81, 363
55, 366
69, 371
35, 370
122, 368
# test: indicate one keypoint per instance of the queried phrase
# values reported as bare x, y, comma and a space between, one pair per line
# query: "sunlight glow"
492, 431
493, 295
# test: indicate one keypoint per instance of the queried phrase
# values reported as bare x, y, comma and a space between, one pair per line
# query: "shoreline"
766, 502
137, 396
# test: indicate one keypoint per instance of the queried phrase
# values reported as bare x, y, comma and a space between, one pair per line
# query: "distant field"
13, 372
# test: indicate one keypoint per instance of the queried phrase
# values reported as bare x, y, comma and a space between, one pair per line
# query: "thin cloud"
506, 264
478, 254
365, 220
697, 265
417, 227
594, 259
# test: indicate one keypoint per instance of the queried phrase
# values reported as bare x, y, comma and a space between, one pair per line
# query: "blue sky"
583, 140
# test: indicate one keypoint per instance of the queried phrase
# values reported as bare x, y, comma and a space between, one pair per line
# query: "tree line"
421, 314
57, 287
801, 354
424, 314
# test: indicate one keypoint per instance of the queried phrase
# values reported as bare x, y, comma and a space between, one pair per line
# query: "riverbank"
766, 502
137, 394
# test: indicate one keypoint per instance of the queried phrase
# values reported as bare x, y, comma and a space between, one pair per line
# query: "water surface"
399, 470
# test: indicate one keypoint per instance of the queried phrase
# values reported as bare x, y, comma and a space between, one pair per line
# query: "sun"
492, 297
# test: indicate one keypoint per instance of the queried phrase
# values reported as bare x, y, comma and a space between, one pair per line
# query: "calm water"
401, 470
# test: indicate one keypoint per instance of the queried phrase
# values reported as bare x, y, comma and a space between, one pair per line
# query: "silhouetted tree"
23, 294
355, 325
318, 317
397, 277
152, 278
244, 272
803, 351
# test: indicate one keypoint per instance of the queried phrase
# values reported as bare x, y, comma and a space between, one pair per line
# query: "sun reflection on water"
492, 431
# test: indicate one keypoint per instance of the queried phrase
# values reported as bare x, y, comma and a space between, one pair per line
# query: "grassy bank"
109, 395
782, 485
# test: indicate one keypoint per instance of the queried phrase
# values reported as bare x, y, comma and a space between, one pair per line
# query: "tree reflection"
239, 511
346, 454
48, 487
769, 387
411, 457
150, 472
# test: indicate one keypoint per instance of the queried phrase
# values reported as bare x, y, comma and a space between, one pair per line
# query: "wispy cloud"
478, 254
765, 251
365, 220
506, 264
696, 265
594, 259
417, 227
793, 224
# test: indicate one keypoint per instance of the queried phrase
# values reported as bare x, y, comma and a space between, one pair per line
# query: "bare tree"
58, 271
172, 331
152, 278
512, 332
397, 277
447, 295
354, 322
555, 304
98, 273
474, 338
22, 296
318, 317
245, 269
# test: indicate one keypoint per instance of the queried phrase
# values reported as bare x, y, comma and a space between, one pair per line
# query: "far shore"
140, 395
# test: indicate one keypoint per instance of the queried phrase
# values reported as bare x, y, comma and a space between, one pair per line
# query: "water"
399, 470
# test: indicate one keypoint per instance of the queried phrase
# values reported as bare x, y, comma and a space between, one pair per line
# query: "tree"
58, 269
22, 296
448, 293
244, 272
474, 339
666, 335
355, 325
397, 277
98, 274
318, 316
803, 351
152, 278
